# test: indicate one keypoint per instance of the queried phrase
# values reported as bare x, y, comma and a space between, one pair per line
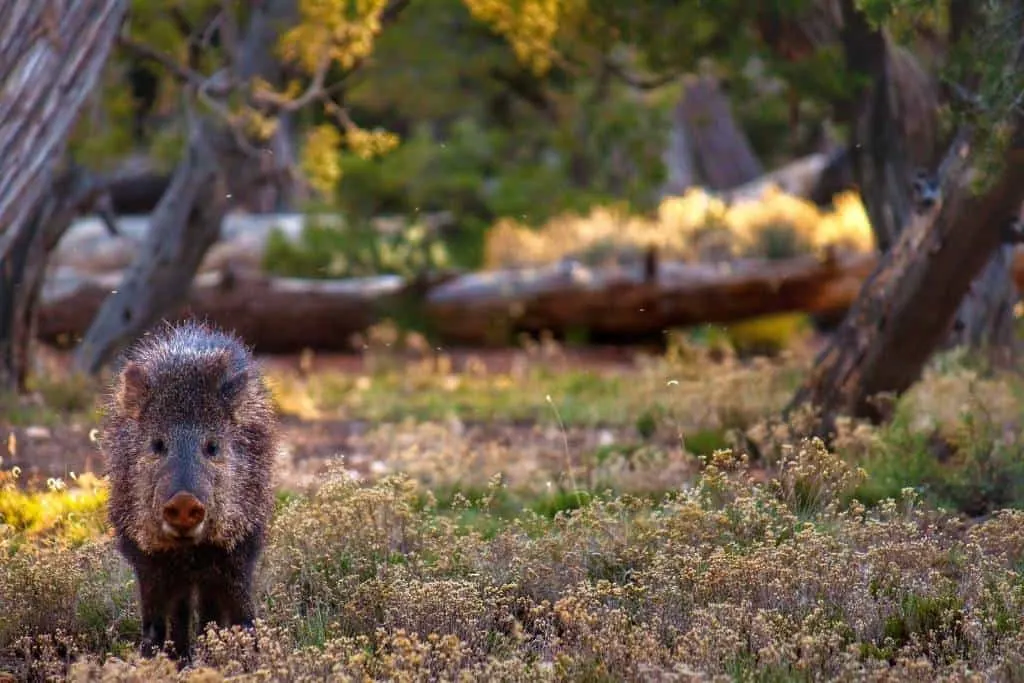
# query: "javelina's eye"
158, 447
211, 449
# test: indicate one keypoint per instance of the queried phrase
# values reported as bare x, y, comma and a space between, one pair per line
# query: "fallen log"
274, 314
282, 315
486, 308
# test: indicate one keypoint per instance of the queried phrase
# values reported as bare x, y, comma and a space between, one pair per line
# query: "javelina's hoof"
148, 649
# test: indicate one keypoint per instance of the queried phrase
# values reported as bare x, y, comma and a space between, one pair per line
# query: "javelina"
190, 437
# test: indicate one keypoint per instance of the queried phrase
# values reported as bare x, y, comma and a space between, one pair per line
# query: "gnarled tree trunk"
41, 44
186, 223
985, 321
907, 307
214, 173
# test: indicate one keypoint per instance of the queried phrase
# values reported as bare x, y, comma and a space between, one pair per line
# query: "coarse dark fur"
189, 411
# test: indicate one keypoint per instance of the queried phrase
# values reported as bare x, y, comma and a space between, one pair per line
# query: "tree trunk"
678, 157
877, 147
724, 156
41, 44
73, 190
907, 306
894, 130
885, 151
186, 223
985, 321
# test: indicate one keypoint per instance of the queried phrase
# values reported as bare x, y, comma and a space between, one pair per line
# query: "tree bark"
74, 189
907, 306
724, 156
877, 147
678, 157
984, 321
284, 314
886, 150
273, 314
51, 56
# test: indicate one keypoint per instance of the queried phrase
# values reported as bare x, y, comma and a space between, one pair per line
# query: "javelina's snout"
184, 514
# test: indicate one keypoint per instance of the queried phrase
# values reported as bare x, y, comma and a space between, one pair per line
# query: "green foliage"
475, 174
355, 249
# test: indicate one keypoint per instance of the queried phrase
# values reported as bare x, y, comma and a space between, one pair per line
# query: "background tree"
239, 72
40, 188
909, 305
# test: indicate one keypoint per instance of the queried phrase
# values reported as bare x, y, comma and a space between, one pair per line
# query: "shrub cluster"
737, 577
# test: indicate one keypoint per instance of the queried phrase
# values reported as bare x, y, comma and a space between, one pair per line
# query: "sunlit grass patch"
692, 387
73, 513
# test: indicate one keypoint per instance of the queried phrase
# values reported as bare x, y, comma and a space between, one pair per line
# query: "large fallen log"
486, 308
278, 314
275, 314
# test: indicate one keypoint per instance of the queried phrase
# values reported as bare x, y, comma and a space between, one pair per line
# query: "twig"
313, 92
639, 83
339, 112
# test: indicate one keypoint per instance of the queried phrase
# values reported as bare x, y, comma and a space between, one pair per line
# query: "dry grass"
693, 226
731, 577
605, 535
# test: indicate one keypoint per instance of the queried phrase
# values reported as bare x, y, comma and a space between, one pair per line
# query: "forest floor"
550, 513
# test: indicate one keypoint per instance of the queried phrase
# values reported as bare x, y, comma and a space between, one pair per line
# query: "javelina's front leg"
153, 606
181, 624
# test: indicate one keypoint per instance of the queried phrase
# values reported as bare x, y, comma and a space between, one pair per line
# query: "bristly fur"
192, 377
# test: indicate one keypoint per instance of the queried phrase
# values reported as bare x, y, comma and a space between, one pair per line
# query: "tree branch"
177, 69
315, 90
633, 81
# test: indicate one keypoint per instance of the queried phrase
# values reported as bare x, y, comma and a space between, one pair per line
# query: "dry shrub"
694, 226
732, 577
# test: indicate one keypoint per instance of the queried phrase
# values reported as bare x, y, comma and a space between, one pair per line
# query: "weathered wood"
217, 165
51, 56
486, 308
290, 314
985, 321
275, 315
186, 223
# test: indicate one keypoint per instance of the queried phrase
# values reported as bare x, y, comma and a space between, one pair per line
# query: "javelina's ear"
231, 380
133, 391
232, 385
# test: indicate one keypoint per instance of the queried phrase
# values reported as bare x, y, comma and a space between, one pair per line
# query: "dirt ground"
42, 452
